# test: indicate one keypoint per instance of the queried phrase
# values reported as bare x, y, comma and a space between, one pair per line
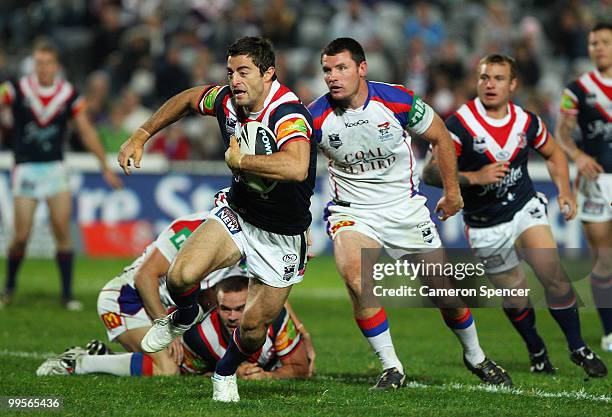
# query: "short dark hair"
45, 44
500, 59
234, 283
339, 45
259, 49
601, 26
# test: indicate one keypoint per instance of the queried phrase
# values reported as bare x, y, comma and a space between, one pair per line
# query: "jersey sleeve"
77, 105
454, 128
207, 100
420, 117
7, 93
287, 338
174, 236
570, 99
542, 134
291, 122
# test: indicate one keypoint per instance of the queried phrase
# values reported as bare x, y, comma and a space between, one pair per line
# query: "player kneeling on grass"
129, 303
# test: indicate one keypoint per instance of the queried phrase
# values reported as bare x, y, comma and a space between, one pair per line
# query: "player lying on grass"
129, 303
199, 349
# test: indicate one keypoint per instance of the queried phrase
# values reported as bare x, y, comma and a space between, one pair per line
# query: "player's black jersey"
480, 141
41, 116
285, 209
590, 99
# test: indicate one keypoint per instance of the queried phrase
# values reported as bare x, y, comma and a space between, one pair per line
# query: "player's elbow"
297, 173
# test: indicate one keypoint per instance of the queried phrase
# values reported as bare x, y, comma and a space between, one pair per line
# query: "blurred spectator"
494, 32
416, 64
528, 66
279, 23
107, 34
171, 142
424, 25
450, 63
135, 114
112, 131
569, 31
97, 96
170, 76
354, 20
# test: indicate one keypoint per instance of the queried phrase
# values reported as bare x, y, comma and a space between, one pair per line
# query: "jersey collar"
493, 122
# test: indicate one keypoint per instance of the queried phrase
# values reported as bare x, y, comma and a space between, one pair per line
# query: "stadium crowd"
128, 56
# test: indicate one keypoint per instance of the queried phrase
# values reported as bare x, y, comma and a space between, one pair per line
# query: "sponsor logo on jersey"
599, 127
502, 186
291, 127
426, 232
592, 207
209, 98
357, 123
334, 140
417, 112
384, 130
522, 140
290, 258
230, 126
502, 155
229, 219
180, 237
480, 144
289, 272
111, 320
340, 224
591, 99
567, 103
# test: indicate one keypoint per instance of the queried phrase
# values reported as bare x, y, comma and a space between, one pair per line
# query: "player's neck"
498, 112
360, 97
605, 72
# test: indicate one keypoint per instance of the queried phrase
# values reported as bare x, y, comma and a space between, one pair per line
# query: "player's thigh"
263, 305
539, 249
163, 364
60, 210
599, 238
23, 212
209, 248
351, 248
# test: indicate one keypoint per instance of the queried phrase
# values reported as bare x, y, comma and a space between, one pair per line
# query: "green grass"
345, 365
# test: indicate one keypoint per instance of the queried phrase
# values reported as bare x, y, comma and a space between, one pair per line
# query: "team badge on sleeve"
207, 103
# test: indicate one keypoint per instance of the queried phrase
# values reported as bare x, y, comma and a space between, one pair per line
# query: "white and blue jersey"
369, 149
481, 140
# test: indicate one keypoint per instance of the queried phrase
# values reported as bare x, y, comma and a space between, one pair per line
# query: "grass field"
35, 325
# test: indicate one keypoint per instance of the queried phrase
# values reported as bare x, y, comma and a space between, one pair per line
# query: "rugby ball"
257, 139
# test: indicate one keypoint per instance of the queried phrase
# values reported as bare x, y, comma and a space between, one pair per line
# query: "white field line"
26, 355
522, 392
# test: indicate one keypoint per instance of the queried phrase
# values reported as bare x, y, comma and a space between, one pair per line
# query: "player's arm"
444, 150
556, 162
308, 345
91, 141
146, 281
172, 110
586, 165
488, 174
290, 163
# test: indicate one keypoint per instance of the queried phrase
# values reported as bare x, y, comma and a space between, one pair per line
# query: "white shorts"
40, 180
595, 199
274, 259
404, 225
120, 306
495, 245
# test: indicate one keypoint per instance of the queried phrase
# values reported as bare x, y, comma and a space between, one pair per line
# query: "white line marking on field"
524, 392
27, 355
530, 392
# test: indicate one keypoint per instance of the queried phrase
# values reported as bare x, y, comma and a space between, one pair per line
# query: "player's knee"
182, 273
19, 243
